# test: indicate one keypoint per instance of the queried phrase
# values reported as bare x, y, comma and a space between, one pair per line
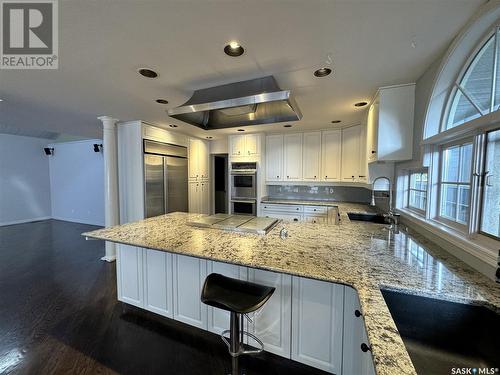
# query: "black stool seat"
234, 295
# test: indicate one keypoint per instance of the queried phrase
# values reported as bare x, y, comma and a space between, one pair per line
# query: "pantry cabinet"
199, 197
311, 158
198, 156
292, 150
274, 157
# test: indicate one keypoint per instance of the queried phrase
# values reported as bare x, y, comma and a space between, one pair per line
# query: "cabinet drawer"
316, 219
283, 207
288, 216
316, 209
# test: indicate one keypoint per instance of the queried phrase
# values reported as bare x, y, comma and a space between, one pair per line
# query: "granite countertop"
363, 255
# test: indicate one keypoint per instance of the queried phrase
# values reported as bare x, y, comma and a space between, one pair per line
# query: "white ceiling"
103, 43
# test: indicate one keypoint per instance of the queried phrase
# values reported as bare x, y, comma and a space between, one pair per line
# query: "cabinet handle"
314, 210
365, 347
287, 176
277, 176
361, 176
295, 219
297, 208
326, 176
248, 152
374, 152
357, 313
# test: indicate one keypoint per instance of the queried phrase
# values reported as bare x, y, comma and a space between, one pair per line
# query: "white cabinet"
390, 124
205, 197
317, 323
218, 319
274, 157
311, 214
245, 145
363, 162
350, 153
199, 197
271, 323
158, 287
331, 155
198, 155
129, 273
292, 157
311, 150
355, 361
189, 275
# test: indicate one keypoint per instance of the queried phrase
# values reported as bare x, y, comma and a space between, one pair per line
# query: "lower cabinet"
271, 323
189, 275
158, 282
354, 360
317, 323
129, 275
310, 214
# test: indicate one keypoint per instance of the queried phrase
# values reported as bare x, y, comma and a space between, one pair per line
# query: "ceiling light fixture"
336, 121
287, 126
173, 125
241, 130
1, 100
148, 73
97, 147
360, 104
161, 101
234, 49
48, 150
322, 72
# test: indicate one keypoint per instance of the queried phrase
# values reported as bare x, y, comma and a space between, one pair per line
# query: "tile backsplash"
324, 193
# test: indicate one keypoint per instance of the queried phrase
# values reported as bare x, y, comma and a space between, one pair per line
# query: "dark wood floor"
59, 315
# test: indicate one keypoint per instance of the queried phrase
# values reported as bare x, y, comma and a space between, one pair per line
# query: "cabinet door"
205, 197
274, 158
350, 153
271, 323
330, 155
354, 360
189, 275
203, 156
218, 319
363, 162
238, 145
252, 144
293, 157
317, 323
158, 289
193, 155
130, 275
372, 130
312, 156
194, 197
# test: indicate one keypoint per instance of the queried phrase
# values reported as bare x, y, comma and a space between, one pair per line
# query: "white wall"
77, 182
24, 180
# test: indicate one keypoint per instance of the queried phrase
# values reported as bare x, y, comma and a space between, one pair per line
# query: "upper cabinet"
331, 142
292, 156
390, 124
311, 156
274, 157
198, 155
245, 145
350, 153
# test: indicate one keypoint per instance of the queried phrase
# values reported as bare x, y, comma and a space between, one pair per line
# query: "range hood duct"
254, 102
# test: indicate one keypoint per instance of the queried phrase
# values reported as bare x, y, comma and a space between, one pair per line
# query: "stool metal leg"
235, 343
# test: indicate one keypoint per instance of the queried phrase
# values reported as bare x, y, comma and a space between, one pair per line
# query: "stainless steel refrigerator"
166, 178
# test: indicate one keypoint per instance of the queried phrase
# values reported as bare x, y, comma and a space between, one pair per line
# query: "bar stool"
239, 298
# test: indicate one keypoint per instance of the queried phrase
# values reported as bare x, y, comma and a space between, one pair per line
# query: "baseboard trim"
71, 220
25, 221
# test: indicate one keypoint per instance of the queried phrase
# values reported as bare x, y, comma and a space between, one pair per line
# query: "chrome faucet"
390, 193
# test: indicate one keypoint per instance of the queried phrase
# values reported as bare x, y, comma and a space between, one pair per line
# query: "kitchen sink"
369, 217
441, 335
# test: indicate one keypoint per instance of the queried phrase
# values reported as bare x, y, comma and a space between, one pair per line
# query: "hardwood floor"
59, 315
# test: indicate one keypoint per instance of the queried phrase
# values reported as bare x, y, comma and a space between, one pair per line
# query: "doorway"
220, 163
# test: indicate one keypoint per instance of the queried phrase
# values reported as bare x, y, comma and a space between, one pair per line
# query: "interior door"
155, 185
177, 184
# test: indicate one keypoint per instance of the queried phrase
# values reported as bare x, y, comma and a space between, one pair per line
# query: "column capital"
108, 121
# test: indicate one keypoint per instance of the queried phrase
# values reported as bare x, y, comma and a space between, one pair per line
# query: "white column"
111, 213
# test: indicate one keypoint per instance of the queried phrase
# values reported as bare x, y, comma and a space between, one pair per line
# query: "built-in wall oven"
244, 188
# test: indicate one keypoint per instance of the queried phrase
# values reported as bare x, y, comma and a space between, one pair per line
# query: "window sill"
484, 249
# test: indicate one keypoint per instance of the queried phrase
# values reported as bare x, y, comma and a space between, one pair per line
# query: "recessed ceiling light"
336, 121
1, 100
360, 104
234, 49
173, 125
241, 130
148, 73
208, 137
287, 126
322, 72
161, 101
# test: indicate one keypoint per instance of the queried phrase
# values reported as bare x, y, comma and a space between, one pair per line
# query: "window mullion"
471, 100
495, 63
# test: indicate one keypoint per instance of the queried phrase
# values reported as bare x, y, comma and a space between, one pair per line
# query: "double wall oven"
244, 188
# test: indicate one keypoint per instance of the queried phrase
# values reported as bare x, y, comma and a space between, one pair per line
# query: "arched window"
477, 92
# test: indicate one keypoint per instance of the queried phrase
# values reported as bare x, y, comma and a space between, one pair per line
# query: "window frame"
462, 227
410, 189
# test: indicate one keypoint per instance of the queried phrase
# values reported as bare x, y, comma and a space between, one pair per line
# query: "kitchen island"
362, 255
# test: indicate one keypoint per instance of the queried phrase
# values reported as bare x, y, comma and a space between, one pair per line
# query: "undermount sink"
369, 217
441, 335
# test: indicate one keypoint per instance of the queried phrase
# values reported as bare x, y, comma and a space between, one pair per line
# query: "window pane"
448, 201
497, 88
465, 162
463, 204
451, 159
490, 219
479, 76
461, 111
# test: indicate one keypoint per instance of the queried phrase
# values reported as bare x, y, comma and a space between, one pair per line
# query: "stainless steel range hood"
253, 102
